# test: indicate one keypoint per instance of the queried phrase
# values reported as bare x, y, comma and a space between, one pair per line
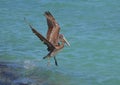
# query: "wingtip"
47, 13
31, 28
28, 23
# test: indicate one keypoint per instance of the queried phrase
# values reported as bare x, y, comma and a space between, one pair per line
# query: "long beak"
66, 41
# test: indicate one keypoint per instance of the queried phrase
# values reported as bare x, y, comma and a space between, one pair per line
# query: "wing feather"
53, 28
42, 38
50, 26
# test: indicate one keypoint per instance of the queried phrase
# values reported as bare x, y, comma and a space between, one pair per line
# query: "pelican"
54, 40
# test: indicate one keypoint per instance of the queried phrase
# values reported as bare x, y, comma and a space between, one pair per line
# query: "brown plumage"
54, 41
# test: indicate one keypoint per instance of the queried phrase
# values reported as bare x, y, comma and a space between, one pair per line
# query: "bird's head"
63, 39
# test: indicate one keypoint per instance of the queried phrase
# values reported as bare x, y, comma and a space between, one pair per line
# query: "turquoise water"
91, 26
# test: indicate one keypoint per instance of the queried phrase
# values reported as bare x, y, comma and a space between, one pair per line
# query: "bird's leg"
55, 61
48, 61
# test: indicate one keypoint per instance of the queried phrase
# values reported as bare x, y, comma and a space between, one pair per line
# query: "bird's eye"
60, 36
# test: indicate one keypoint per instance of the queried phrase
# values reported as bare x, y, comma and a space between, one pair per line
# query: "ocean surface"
92, 27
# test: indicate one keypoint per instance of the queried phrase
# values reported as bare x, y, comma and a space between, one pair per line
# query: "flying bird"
54, 40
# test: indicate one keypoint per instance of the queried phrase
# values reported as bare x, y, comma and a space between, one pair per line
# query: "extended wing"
53, 28
50, 26
45, 41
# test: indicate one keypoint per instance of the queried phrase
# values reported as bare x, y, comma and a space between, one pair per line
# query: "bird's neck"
60, 46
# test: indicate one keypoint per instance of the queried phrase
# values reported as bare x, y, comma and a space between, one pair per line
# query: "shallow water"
91, 26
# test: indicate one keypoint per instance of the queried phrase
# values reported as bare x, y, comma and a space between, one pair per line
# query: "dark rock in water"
9, 73
2, 66
23, 84
14, 74
23, 81
17, 74
4, 83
